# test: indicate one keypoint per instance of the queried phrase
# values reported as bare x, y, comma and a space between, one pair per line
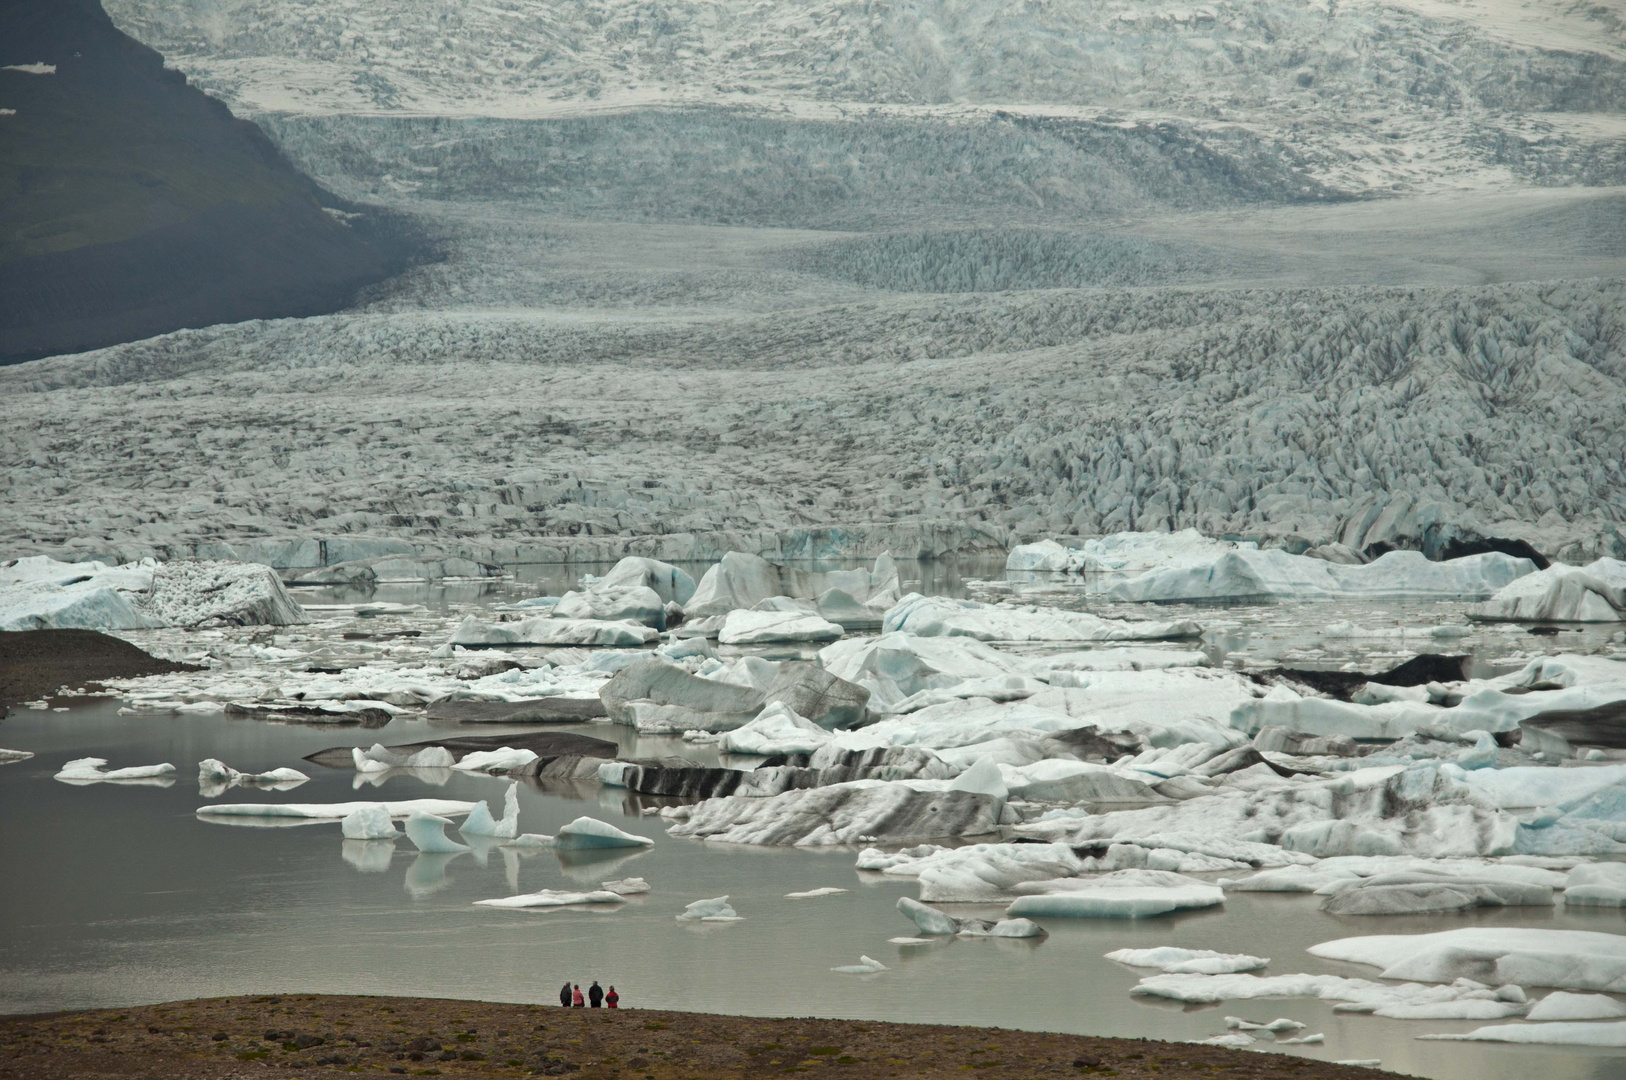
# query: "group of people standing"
570, 994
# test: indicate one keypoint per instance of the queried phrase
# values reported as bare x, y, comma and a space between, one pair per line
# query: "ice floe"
8, 757
87, 770
658, 697
614, 603
632, 886
479, 821
1563, 1005
428, 833
549, 631
1592, 593
215, 776
587, 833
40, 593
776, 730
939, 616
813, 894
301, 812
865, 966
1121, 894
1462, 999
504, 759
1597, 885
370, 821
1245, 574
1550, 1034
380, 758
860, 810
717, 909
757, 627
852, 598
1567, 959
551, 898
1178, 961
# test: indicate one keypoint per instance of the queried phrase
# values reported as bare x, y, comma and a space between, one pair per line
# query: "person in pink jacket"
576, 998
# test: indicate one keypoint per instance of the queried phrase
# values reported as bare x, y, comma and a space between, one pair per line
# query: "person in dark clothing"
595, 994
564, 995
576, 997
612, 999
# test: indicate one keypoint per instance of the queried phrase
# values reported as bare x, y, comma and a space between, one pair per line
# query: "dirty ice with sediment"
1128, 489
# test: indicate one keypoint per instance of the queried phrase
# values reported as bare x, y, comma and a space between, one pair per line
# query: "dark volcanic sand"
272, 1036
36, 663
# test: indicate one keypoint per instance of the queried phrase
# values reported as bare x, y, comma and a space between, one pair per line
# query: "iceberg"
369, 821
739, 580
1551, 1034
542, 630
658, 697
1595, 593
896, 666
770, 627
1413, 893
39, 593
213, 770
860, 810
587, 833
1246, 574
8, 757
1122, 553
865, 966
93, 769
480, 822
551, 898
977, 872
813, 894
776, 730
1356, 995
336, 811
1567, 959
505, 759
428, 833
670, 583
1121, 894
614, 603
1563, 1005
717, 909
380, 758
1237, 1023
1597, 885
631, 886
1178, 961
940, 616
928, 919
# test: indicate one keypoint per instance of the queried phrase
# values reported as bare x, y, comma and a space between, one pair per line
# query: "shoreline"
300, 1036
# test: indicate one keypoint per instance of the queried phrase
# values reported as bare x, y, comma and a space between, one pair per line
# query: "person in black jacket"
595, 994
564, 995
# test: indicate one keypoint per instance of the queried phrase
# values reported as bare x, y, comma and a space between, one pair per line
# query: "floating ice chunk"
335, 811
9, 756
717, 909
865, 966
1307, 1040
1552, 1034
531, 840
1123, 894
428, 833
381, 758
911, 940
670, 583
631, 886
1188, 961
369, 821
928, 919
1236, 1040
1412, 893
1592, 593
586, 833
865, 811
481, 823
1361, 1063
1468, 1009
1597, 885
739, 580
982, 778
776, 730
614, 603
1570, 959
213, 769
1246, 574
505, 759
1121, 658
542, 630
941, 616
1562, 1005
767, 627
1237, 1023
92, 769
978, 872
1355, 995
1015, 928
896, 666
1044, 556
548, 898
810, 894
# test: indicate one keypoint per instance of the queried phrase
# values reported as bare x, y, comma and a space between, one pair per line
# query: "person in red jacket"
576, 998
612, 999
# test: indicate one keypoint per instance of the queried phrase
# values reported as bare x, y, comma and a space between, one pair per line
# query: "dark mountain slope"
132, 204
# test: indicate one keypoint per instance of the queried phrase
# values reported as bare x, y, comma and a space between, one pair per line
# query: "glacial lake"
118, 893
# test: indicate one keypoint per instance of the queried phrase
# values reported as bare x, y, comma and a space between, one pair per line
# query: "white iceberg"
335, 811
941, 616
505, 759
428, 833
865, 966
739, 580
550, 898
380, 758
1597, 885
480, 822
543, 630
1567, 959
1552, 1034
1594, 593
717, 909
1122, 894
978, 872
1355, 995
587, 833
1237, 1023
1180, 961
40, 593
771, 627
631, 886
614, 603
1274, 574
776, 730
369, 821
217, 771
671, 584
811, 894
1563, 1005
7, 757
92, 769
